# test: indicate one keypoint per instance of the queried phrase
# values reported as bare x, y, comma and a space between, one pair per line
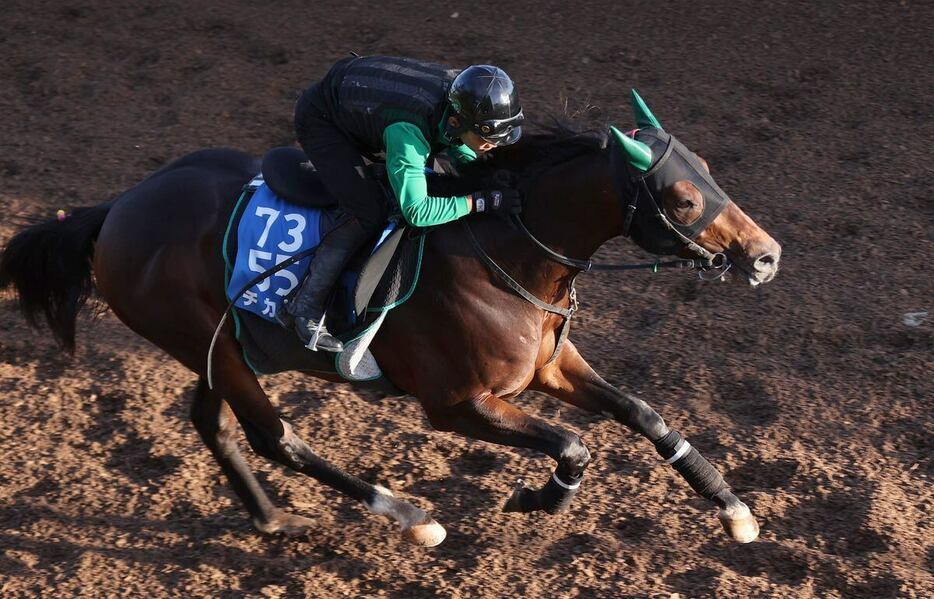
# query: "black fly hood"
647, 164
677, 163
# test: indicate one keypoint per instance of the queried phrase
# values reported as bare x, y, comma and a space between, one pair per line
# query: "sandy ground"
813, 395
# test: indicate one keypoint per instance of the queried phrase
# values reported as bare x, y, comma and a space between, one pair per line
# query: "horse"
486, 322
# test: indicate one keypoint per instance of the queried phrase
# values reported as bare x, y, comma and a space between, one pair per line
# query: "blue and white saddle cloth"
265, 230
270, 232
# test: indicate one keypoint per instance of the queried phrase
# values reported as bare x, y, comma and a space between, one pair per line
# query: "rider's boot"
307, 307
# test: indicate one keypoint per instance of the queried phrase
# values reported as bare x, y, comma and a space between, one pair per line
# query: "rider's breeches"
340, 166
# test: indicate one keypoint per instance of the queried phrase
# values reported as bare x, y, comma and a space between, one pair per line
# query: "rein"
716, 261
708, 261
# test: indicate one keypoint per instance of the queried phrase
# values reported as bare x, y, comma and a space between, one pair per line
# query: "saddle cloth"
265, 230
270, 232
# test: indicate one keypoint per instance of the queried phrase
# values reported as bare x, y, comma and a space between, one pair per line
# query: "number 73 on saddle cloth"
270, 232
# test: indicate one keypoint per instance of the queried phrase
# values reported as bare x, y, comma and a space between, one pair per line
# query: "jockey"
407, 110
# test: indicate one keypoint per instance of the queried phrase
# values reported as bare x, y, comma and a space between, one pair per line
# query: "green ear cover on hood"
638, 154
644, 116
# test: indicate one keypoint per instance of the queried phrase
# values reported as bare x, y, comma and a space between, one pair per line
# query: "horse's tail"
49, 265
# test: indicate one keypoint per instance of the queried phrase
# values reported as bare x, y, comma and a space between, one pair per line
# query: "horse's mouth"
743, 273
753, 277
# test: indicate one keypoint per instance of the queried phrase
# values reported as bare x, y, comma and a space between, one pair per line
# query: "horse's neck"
573, 210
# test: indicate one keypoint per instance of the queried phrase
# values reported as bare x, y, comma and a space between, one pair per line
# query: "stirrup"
319, 333
313, 342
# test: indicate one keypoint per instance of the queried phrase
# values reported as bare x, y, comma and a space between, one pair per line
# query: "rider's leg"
340, 167
307, 307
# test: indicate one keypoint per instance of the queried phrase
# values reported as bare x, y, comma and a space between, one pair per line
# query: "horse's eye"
683, 202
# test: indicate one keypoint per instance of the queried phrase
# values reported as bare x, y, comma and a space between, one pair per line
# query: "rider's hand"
501, 202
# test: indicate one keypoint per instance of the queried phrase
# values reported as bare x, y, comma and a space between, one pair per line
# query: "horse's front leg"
489, 418
571, 379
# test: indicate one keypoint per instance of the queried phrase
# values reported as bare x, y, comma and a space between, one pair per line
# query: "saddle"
381, 276
288, 173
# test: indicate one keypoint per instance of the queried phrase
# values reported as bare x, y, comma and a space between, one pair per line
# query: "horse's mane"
521, 163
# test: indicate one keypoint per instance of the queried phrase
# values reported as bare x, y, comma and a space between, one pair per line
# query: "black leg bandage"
691, 465
555, 497
557, 494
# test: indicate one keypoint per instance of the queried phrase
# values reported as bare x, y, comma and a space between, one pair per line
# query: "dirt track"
812, 394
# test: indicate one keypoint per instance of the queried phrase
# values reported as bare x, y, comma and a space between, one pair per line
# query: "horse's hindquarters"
158, 260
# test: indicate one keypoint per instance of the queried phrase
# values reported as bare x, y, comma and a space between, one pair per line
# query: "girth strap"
566, 313
565, 329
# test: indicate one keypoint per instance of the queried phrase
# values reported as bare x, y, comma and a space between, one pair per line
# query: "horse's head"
676, 208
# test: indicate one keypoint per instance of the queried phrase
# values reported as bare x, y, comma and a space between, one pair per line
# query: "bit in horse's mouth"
739, 271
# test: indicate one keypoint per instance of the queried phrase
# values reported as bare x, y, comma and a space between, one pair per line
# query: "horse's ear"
638, 154
644, 116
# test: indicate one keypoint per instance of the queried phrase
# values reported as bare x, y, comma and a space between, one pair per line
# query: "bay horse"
464, 344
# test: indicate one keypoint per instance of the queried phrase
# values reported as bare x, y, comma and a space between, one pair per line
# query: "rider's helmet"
487, 103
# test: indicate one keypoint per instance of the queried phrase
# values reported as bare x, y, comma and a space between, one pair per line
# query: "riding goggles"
500, 132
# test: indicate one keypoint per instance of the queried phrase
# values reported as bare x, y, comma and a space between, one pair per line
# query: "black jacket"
364, 95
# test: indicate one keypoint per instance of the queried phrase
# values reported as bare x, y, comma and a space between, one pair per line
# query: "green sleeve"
407, 153
461, 154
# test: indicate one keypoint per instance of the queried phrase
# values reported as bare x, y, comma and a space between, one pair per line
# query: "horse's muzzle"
760, 265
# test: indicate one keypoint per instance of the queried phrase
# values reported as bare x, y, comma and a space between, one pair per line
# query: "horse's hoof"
383, 490
523, 499
739, 523
281, 522
426, 534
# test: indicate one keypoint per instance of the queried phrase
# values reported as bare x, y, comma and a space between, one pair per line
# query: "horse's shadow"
747, 401
278, 559
832, 525
414, 590
756, 474
689, 583
789, 566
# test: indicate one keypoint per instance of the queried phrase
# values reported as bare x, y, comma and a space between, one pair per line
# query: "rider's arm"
406, 155
461, 154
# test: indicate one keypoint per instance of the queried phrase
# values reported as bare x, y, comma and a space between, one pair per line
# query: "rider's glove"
501, 202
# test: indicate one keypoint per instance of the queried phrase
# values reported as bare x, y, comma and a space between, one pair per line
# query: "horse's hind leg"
489, 418
217, 426
274, 439
571, 379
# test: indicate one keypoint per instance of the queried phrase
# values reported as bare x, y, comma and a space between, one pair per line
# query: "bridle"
627, 180
706, 262
675, 163
634, 185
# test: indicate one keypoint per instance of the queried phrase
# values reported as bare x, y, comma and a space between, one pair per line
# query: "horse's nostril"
766, 261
